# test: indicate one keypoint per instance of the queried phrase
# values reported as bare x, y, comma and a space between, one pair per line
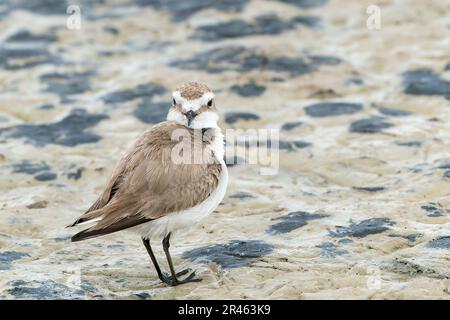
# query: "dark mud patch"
363, 228
410, 237
64, 84
242, 195
46, 176
262, 25
8, 257
444, 165
440, 243
46, 106
12, 58
425, 82
76, 174
38, 205
151, 112
70, 131
370, 125
41, 171
409, 267
42, 7
288, 126
143, 295
292, 221
345, 241
250, 89
29, 167
330, 250
330, 109
242, 59
29, 38
301, 144
433, 210
290, 146
369, 189
305, 4
183, 10
394, 112
235, 254
235, 116
43, 290
355, 82
411, 144
308, 21
324, 60
141, 91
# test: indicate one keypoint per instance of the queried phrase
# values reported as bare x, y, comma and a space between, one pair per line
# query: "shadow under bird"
173, 176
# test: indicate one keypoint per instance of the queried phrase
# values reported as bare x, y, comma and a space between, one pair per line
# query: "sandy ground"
358, 208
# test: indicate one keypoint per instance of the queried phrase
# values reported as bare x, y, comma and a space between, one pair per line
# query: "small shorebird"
173, 176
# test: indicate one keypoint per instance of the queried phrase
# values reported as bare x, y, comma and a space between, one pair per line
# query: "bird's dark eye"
174, 102
210, 102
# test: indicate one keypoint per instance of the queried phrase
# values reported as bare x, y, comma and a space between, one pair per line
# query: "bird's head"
193, 106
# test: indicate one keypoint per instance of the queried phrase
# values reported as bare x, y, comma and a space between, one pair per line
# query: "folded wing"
146, 185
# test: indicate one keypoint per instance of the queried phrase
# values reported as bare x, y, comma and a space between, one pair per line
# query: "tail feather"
88, 217
121, 224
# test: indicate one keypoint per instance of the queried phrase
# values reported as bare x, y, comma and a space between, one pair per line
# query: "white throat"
206, 119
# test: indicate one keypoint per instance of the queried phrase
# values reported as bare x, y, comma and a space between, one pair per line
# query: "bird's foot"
173, 281
182, 272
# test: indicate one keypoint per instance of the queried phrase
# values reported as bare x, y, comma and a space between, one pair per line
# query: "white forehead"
195, 104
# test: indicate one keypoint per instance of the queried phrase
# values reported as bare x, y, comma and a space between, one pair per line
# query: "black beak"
190, 115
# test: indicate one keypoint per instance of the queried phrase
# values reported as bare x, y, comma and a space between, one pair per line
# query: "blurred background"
360, 91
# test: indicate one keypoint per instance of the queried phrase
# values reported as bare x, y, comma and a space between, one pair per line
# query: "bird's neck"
214, 136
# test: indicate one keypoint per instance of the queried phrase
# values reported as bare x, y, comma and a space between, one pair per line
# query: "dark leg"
175, 281
152, 256
162, 276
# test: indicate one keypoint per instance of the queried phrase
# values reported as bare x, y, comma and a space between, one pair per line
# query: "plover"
173, 176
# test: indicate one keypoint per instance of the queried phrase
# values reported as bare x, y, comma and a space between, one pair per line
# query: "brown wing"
151, 185
123, 167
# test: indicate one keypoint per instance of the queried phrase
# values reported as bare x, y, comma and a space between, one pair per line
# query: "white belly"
174, 221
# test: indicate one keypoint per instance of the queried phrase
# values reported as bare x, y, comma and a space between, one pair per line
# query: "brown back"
146, 184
